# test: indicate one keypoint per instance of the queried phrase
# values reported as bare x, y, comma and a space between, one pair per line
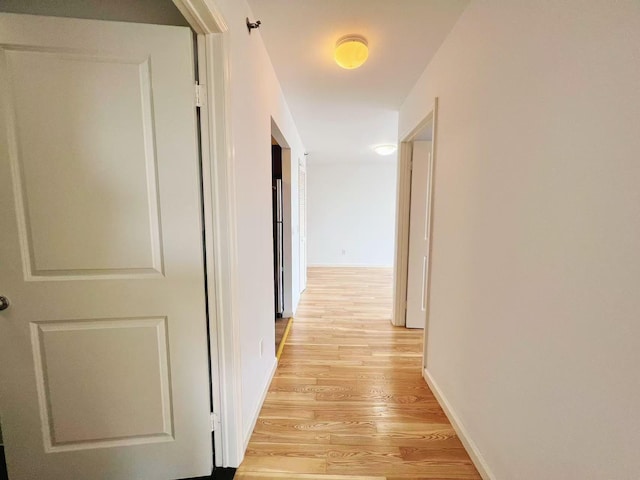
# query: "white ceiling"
341, 114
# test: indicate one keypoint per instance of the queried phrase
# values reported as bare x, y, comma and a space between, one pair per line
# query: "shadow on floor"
3, 465
224, 473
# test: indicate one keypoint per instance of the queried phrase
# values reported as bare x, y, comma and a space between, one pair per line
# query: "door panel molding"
48, 246
107, 369
72, 427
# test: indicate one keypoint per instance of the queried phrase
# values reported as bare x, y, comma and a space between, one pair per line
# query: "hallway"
348, 400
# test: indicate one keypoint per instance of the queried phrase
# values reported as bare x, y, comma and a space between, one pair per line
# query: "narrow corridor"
348, 400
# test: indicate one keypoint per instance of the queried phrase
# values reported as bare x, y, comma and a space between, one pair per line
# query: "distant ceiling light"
351, 51
385, 149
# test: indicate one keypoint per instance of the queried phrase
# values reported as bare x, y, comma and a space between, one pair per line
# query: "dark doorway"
278, 233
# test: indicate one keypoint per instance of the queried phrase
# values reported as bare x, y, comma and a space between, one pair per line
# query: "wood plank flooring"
281, 326
348, 401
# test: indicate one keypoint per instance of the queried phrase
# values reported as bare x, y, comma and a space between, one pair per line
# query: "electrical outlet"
261, 347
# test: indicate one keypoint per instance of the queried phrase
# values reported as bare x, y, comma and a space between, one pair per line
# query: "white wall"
535, 334
256, 98
160, 12
291, 204
351, 213
299, 278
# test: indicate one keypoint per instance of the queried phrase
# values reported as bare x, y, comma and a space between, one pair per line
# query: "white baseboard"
458, 426
347, 265
249, 432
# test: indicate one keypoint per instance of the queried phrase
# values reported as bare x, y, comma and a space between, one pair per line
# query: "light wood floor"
281, 326
348, 401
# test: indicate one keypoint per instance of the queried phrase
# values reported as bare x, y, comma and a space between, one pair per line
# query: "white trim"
347, 265
220, 224
256, 415
401, 256
432, 175
277, 134
403, 209
203, 16
223, 224
302, 222
287, 230
288, 169
469, 445
210, 265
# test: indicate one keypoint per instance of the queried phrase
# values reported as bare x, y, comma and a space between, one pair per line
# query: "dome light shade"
385, 149
351, 51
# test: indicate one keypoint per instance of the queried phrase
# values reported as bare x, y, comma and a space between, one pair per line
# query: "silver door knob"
4, 303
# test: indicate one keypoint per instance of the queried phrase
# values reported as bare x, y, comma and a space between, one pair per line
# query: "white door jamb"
401, 260
287, 218
220, 224
401, 265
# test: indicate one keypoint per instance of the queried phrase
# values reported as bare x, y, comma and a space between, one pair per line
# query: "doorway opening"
281, 181
414, 226
282, 323
278, 234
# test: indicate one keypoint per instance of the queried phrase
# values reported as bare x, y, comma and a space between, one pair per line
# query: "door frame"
302, 230
403, 209
218, 178
287, 218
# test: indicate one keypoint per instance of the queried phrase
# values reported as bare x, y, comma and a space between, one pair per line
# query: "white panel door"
103, 350
419, 235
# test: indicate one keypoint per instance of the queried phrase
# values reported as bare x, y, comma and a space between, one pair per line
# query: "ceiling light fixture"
351, 51
385, 149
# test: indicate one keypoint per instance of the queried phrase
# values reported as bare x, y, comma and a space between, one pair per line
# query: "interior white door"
103, 351
302, 201
419, 235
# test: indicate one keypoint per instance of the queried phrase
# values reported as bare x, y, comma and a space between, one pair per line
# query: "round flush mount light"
385, 149
351, 51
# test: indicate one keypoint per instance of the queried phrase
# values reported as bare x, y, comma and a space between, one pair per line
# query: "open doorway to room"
277, 196
414, 231
277, 209
351, 211
282, 176
351, 218
418, 257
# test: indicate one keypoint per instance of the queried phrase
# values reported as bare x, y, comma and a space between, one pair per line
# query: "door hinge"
215, 421
200, 95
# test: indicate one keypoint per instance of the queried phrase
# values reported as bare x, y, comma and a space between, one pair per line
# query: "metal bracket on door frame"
215, 421
200, 95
